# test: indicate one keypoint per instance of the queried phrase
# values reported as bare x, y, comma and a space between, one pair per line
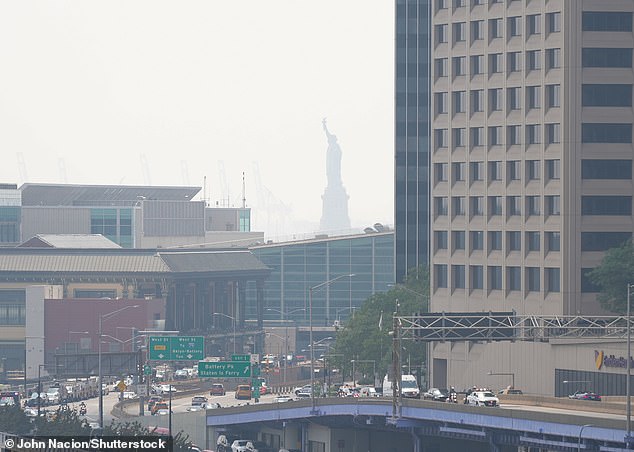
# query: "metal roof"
85, 195
120, 260
69, 241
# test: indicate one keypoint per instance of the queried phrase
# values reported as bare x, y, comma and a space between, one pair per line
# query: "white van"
409, 387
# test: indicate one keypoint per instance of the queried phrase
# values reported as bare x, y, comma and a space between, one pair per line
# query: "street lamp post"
284, 315
234, 327
103, 317
310, 338
39, 388
580, 432
628, 388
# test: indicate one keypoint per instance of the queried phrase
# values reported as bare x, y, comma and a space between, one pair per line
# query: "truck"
409, 387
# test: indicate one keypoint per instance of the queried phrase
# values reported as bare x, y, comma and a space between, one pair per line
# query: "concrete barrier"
605, 406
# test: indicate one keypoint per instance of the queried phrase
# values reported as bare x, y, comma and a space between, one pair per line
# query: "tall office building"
531, 162
411, 145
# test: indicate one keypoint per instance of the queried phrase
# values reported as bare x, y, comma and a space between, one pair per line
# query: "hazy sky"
168, 93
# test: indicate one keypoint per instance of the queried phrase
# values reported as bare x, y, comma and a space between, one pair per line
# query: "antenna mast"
244, 195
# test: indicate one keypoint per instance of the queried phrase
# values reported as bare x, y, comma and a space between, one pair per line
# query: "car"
258, 446
240, 445
303, 391
199, 401
510, 391
282, 399
165, 389
436, 394
482, 398
585, 395
195, 408
243, 392
162, 412
159, 406
368, 391
153, 399
217, 389
181, 374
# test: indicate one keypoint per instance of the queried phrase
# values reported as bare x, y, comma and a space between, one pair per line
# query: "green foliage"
13, 420
63, 422
613, 276
362, 339
181, 440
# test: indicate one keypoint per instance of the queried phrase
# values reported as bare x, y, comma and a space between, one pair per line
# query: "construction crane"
277, 213
22, 167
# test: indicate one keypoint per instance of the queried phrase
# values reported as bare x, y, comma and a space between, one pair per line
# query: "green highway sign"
177, 348
224, 369
246, 358
147, 370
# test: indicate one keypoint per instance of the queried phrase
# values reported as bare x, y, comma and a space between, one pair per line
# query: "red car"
217, 389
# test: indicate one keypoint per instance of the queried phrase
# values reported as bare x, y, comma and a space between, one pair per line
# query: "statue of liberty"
334, 219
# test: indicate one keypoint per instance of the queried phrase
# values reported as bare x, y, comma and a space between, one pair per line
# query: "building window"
459, 66
440, 273
442, 69
514, 275
458, 205
534, 60
606, 169
440, 204
459, 32
458, 169
496, 99
532, 240
440, 237
514, 241
458, 276
495, 278
554, 22
532, 276
587, 286
477, 171
514, 135
515, 26
477, 64
477, 136
514, 60
441, 4
441, 172
553, 96
460, 101
553, 57
441, 103
459, 138
533, 97
495, 240
513, 170
477, 205
553, 241
477, 30
532, 170
514, 97
495, 170
514, 205
607, 21
442, 140
477, 277
534, 24
441, 34
477, 100
553, 205
459, 3
602, 57
606, 133
495, 205
495, 28
496, 64
552, 279
553, 133
244, 220
603, 241
495, 136
477, 240
532, 205
606, 95
606, 205
553, 169
533, 134
458, 239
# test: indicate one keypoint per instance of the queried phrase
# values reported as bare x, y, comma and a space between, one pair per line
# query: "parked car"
243, 392
436, 394
217, 389
482, 398
585, 395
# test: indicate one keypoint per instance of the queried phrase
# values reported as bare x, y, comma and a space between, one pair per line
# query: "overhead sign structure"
224, 369
177, 348
246, 358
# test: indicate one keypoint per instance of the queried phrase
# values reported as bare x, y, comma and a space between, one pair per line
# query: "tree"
181, 440
13, 420
613, 276
64, 422
366, 336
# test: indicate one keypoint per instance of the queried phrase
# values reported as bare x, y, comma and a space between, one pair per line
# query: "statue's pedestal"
335, 209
